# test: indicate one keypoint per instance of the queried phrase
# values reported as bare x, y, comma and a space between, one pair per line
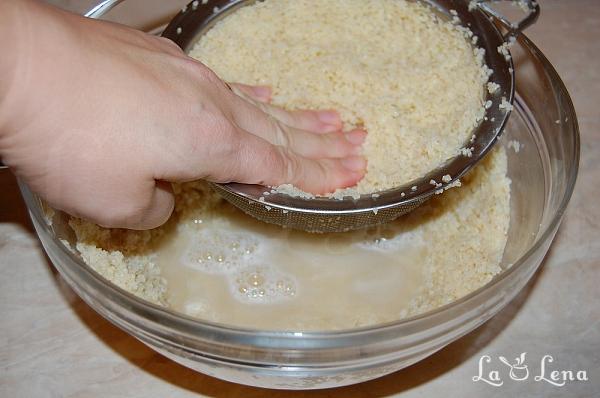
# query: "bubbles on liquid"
239, 257
218, 251
262, 284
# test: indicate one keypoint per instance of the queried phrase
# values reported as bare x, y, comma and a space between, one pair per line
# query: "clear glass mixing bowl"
543, 174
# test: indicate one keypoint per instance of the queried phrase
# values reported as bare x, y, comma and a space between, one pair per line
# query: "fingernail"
354, 163
356, 137
330, 117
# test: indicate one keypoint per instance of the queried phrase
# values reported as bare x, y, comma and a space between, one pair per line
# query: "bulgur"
369, 78
414, 81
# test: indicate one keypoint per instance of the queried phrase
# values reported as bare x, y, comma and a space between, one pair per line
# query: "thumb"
158, 210
151, 212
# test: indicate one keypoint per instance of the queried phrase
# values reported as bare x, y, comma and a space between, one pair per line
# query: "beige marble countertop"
54, 345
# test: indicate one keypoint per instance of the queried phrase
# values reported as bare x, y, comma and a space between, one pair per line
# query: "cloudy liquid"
237, 271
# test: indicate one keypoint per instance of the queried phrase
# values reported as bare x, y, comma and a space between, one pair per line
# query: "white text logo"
494, 372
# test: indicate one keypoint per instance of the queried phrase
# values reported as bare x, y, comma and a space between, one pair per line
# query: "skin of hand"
98, 119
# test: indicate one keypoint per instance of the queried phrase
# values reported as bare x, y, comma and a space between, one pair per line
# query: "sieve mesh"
316, 222
330, 215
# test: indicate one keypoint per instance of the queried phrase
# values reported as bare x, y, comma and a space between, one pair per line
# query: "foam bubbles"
261, 283
220, 251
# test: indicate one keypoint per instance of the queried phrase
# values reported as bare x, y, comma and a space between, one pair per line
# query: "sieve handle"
533, 12
102, 8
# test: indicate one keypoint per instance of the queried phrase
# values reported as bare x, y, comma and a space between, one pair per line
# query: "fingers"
326, 121
307, 144
333, 145
257, 93
137, 209
156, 212
259, 162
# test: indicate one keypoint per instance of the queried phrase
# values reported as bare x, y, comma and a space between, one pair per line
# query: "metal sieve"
332, 215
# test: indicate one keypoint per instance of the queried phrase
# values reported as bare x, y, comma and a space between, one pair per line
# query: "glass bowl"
543, 172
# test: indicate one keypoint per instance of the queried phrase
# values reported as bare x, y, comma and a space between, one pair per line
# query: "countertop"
54, 345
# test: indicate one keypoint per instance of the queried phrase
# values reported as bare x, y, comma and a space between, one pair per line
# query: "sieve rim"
191, 23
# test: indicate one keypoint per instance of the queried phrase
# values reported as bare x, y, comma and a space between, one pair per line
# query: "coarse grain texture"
467, 229
123, 257
126, 257
412, 80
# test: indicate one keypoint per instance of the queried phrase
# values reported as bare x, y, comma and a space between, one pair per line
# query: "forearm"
31, 37
9, 36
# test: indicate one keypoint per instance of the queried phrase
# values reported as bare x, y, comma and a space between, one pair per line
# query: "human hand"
99, 118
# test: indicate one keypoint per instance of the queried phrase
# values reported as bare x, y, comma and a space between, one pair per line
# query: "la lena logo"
494, 375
